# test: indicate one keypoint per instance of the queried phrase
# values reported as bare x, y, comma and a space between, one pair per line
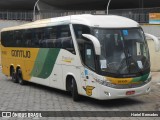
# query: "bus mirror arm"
95, 42
156, 41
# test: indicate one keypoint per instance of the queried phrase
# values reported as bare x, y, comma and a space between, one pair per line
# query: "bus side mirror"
156, 41
95, 42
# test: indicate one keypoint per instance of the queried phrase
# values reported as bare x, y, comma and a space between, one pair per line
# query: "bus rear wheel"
13, 76
74, 90
20, 77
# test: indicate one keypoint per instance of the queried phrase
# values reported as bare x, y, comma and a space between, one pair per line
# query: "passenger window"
65, 38
4, 38
51, 43
63, 31
7, 39
18, 38
28, 38
46, 37
81, 29
58, 43
50, 37
37, 37
51, 33
10, 41
67, 43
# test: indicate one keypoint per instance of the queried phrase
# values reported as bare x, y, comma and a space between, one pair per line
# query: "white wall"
155, 56
152, 29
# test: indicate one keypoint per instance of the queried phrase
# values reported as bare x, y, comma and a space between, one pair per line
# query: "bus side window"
36, 38
65, 38
50, 32
89, 55
10, 41
18, 39
87, 52
51, 43
67, 43
50, 36
4, 39
85, 46
58, 43
81, 29
28, 38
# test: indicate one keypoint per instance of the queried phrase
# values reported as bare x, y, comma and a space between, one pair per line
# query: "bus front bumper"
105, 92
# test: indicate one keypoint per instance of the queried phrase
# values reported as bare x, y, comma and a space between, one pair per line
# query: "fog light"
107, 93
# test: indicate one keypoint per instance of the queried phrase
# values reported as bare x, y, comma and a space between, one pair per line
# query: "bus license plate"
130, 92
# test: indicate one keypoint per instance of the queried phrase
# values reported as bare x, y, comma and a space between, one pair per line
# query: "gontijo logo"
21, 53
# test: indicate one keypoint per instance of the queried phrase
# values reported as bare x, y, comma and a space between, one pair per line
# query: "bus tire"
20, 77
74, 90
13, 76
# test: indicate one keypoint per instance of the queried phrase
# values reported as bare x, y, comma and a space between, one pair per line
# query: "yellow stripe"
119, 80
68, 61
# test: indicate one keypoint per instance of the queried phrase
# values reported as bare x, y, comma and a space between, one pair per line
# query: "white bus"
99, 56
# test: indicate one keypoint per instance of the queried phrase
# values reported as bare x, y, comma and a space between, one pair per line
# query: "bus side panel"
44, 65
6, 61
28, 69
5, 66
56, 77
23, 58
71, 65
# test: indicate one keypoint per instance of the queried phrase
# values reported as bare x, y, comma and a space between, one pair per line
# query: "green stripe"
140, 79
45, 62
39, 63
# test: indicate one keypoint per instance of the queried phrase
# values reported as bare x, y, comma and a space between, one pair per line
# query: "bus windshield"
123, 51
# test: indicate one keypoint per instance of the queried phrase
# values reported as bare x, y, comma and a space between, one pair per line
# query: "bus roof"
103, 21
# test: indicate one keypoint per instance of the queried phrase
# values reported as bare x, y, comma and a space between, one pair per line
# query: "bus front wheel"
74, 90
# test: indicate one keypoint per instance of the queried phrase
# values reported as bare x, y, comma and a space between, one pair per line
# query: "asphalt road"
33, 97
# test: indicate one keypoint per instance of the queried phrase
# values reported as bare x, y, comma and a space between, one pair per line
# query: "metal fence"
139, 15
16, 15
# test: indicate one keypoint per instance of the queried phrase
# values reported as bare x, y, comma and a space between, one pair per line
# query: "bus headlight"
103, 82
